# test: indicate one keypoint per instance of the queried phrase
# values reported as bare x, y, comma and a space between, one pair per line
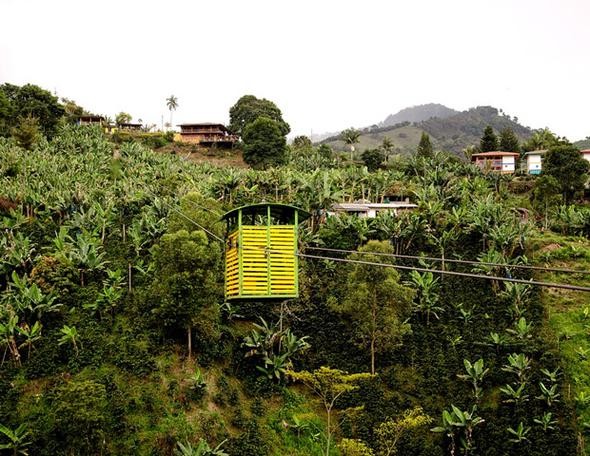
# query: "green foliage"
29, 101
373, 159
122, 117
249, 108
425, 146
187, 288
389, 433
81, 415
509, 141
489, 140
376, 301
27, 134
18, 439
568, 167
264, 143
354, 447
273, 348
202, 449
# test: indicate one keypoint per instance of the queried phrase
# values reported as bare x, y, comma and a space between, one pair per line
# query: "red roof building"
498, 161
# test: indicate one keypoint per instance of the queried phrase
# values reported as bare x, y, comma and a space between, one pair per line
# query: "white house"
503, 162
534, 160
586, 154
370, 210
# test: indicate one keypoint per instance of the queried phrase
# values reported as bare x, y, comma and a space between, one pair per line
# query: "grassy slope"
568, 313
405, 140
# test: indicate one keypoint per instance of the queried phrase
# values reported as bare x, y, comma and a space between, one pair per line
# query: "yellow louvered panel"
232, 275
282, 260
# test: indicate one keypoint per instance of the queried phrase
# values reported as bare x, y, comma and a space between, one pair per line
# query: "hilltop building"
498, 161
129, 126
90, 120
206, 134
534, 161
365, 209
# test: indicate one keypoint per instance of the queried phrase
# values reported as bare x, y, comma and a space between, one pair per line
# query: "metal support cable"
454, 260
453, 273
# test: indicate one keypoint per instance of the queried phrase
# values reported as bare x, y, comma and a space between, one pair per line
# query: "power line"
454, 273
187, 218
453, 260
388, 265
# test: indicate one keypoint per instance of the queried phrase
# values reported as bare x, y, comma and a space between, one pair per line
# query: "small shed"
260, 252
534, 161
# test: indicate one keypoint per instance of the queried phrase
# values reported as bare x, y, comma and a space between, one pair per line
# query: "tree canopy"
568, 167
425, 146
264, 143
17, 103
508, 141
489, 140
249, 108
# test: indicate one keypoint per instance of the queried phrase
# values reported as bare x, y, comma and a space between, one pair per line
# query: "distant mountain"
418, 114
583, 144
452, 133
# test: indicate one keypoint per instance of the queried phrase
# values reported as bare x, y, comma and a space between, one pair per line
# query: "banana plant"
516, 396
522, 330
518, 364
31, 335
551, 376
202, 449
475, 374
548, 394
69, 336
18, 439
459, 423
546, 422
8, 331
519, 435
427, 298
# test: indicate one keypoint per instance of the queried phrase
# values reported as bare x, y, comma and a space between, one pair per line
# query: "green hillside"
452, 133
106, 269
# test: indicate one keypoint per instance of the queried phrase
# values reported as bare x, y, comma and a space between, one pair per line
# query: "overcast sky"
327, 64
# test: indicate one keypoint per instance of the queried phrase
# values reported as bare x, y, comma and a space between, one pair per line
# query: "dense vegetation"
116, 339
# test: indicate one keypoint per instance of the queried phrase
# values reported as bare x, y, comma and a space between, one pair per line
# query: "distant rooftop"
361, 207
201, 124
536, 152
498, 153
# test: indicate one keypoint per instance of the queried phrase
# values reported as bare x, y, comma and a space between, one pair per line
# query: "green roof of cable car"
275, 207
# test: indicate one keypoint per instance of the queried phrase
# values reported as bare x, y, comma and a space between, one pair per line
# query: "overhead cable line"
389, 265
454, 273
454, 260
210, 233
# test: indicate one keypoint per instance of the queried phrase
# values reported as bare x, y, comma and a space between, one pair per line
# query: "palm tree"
172, 103
351, 137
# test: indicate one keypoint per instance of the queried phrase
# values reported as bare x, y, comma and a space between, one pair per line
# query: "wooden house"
498, 161
366, 209
90, 120
207, 134
129, 126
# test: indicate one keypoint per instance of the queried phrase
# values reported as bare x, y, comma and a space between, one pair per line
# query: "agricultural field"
107, 273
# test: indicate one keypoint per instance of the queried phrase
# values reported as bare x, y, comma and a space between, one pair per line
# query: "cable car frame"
261, 259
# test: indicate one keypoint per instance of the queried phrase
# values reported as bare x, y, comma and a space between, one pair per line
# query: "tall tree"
172, 103
351, 137
569, 168
249, 108
31, 101
425, 146
376, 301
264, 143
489, 140
508, 141
188, 284
543, 139
122, 117
387, 147
329, 385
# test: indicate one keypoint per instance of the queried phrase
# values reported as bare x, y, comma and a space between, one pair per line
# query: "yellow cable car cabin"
260, 251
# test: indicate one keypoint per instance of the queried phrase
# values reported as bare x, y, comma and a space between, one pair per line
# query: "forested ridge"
105, 278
